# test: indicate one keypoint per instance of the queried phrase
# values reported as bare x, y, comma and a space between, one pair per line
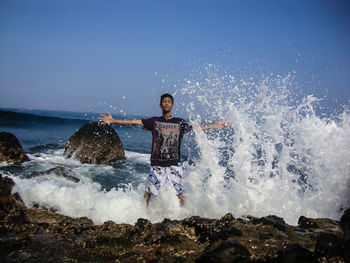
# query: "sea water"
277, 156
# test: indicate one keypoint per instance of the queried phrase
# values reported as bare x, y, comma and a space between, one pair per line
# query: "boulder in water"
58, 171
95, 143
11, 150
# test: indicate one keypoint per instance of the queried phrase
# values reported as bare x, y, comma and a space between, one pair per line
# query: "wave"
16, 119
45, 147
277, 157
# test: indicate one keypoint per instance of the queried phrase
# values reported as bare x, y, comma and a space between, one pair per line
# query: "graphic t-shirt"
166, 139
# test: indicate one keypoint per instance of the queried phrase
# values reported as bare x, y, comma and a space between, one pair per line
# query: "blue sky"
121, 55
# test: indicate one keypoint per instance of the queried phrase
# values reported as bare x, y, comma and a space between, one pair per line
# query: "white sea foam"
136, 157
4, 164
277, 157
281, 158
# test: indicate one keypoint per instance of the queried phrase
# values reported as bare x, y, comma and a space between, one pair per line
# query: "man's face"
166, 104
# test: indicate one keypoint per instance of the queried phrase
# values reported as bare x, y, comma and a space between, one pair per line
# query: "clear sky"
85, 55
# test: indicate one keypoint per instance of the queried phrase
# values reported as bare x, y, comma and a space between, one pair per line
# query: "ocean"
277, 157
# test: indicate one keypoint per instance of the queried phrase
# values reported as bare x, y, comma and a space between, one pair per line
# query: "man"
167, 132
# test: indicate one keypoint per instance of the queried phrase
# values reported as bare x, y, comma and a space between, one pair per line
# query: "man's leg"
147, 196
155, 180
175, 175
181, 199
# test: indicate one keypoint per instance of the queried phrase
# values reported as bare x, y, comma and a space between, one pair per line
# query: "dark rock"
171, 240
229, 230
307, 223
227, 218
345, 225
18, 198
294, 253
36, 235
273, 220
179, 260
16, 216
6, 185
58, 171
228, 251
264, 237
329, 245
11, 209
142, 223
11, 150
212, 230
95, 143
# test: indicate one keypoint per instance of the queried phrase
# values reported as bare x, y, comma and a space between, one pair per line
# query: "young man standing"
167, 132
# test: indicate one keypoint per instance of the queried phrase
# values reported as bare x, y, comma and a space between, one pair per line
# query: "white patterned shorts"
160, 175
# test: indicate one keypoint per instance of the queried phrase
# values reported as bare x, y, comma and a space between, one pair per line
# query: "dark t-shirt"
166, 139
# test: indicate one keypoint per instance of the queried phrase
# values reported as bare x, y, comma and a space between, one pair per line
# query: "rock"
58, 171
228, 251
329, 245
345, 225
36, 235
294, 253
307, 223
95, 143
11, 150
11, 207
264, 237
6, 185
213, 230
142, 224
273, 220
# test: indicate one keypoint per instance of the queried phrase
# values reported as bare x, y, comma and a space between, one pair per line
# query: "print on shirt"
167, 141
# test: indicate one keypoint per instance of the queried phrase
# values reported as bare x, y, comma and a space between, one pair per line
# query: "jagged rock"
11, 150
202, 228
264, 237
329, 245
11, 207
228, 251
35, 235
6, 185
273, 220
58, 171
95, 143
345, 224
213, 230
294, 253
142, 224
306, 223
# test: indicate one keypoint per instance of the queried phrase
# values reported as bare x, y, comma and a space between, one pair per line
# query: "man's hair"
166, 95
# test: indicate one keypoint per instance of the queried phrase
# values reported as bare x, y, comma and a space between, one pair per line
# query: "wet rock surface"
95, 143
34, 235
11, 150
345, 224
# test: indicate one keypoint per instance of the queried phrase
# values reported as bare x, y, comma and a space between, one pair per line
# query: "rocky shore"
35, 235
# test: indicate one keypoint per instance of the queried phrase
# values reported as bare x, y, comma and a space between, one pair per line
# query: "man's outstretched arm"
109, 119
220, 124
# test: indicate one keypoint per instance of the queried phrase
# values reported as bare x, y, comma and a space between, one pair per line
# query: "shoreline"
35, 235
